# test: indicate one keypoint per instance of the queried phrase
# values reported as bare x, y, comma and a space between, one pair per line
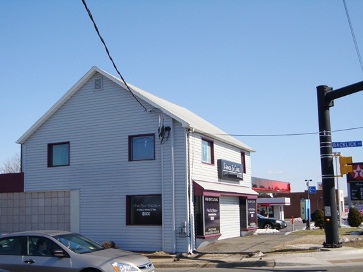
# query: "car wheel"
268, 226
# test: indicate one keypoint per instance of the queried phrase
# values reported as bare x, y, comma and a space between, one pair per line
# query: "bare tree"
11, 165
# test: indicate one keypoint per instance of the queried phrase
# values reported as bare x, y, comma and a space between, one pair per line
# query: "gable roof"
187, 118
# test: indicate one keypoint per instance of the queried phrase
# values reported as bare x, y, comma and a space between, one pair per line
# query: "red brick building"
316, 202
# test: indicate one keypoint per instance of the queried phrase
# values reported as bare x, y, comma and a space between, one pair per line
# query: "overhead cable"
108, 52
353, 35
287, 134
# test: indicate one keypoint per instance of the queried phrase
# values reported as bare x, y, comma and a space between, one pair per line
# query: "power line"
353, 35
287, 134
108, 52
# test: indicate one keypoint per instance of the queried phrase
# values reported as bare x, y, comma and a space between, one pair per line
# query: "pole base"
333, 245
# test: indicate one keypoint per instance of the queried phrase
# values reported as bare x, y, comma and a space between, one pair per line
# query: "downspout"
162, 195
191, 244
21, 159
173, 184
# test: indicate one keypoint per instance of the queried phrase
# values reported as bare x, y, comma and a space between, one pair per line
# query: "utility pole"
326, 96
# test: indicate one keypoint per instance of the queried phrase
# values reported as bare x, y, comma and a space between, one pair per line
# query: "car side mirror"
59, 253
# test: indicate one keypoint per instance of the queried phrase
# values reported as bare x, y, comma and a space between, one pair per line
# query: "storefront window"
207, 215
144, 210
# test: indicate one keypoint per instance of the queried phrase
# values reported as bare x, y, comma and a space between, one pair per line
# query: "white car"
60, 251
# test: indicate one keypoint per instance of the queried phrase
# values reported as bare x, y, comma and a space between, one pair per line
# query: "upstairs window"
58, 154
207, 151
142, 147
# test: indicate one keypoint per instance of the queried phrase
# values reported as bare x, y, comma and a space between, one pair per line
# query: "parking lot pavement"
247, 244
232, 250
264, 241
257, 251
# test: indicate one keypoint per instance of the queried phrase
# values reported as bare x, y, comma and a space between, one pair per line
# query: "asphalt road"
351, 268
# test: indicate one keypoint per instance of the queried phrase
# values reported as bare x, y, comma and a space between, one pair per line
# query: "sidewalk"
256, 251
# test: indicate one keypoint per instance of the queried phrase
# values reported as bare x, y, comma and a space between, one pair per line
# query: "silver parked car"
59, 251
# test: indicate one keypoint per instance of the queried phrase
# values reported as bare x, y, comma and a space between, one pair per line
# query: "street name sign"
347, 144
312, 189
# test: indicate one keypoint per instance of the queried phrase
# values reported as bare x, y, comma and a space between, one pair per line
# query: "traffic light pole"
326, 96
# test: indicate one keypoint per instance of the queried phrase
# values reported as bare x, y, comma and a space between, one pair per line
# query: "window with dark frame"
143, 210
142, 147
207, 151
59, 154
243, 161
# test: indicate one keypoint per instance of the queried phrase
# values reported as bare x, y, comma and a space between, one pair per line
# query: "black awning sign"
229, 170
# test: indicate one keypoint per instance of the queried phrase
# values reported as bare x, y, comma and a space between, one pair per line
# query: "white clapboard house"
142, 171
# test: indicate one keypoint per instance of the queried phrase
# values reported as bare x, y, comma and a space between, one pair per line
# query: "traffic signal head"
345, 165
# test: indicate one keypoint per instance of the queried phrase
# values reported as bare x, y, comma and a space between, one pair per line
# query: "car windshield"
78, 243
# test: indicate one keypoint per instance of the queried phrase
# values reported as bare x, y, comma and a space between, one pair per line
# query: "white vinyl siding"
95, 125
209, 172
229, 217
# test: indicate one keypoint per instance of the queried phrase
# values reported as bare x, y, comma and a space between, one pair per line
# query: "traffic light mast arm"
344, 91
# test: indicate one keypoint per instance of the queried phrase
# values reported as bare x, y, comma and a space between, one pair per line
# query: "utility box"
305, 212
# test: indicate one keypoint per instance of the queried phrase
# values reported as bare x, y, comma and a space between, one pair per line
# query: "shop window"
58, 154
198, 215
142, 147
207, 215
248, 213
144, 210
207, 151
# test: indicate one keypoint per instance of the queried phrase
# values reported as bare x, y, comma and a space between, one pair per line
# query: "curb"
215, 264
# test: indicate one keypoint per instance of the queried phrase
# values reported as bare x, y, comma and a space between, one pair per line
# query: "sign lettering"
229, 170
347, 144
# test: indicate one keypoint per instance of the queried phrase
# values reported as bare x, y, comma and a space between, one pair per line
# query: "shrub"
318, 218
354, 217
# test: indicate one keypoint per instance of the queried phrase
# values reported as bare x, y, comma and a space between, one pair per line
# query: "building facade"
149, 175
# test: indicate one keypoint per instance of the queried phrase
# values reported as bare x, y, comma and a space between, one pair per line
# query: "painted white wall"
97, 125
208, 172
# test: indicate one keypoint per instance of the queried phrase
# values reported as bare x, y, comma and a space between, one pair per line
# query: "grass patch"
356, 244
342, 231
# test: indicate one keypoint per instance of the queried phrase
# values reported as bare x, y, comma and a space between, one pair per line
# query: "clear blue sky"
249, 67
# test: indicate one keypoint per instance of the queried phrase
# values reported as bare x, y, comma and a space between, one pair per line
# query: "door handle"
31, 261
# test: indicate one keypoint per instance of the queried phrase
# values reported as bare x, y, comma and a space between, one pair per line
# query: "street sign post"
347, 144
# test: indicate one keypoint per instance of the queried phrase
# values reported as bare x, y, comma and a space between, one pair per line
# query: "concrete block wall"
35, 211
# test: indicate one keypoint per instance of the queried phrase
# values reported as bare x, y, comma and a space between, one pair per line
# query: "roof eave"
240, 146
